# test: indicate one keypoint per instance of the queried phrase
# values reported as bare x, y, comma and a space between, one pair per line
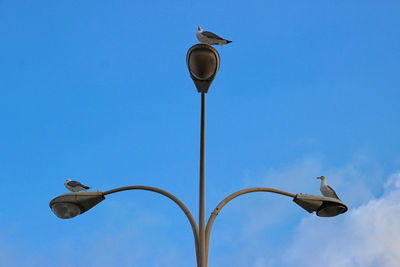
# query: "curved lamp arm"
232, 196
173, 198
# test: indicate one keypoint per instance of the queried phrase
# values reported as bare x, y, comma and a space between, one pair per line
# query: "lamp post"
203, 63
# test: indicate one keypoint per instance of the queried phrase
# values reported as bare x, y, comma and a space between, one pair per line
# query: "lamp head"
323, 206
67, 206
203, 64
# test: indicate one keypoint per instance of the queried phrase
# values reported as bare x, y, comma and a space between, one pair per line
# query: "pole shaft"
202, 235
229, 198
173, 198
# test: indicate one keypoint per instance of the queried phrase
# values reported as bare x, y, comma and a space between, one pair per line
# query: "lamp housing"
203, 64
323, 206
69, 205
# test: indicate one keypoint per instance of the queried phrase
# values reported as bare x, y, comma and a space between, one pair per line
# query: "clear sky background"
99, 91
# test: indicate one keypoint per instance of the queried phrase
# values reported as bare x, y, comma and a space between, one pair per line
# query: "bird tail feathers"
224, 42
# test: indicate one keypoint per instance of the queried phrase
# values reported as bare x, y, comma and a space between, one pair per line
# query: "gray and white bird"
75, 186
326, 190
210, 38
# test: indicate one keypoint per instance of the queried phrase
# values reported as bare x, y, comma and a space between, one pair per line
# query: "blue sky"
99, 91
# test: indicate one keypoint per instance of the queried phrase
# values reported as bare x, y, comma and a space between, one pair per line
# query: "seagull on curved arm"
210, 38
75, 186
326, 190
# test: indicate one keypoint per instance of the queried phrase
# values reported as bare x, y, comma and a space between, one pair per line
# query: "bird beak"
319, 177
199, 28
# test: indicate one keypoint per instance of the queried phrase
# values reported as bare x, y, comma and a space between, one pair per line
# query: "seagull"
210, 38
326, 190
75, 186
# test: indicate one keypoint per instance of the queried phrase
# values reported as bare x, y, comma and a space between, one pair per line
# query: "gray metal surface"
84, 200
323, 206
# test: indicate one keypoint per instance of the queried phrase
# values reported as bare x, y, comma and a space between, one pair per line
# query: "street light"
70, 205
323, 206
203, 64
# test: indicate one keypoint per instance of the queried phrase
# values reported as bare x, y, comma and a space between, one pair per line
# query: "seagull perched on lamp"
326, 190
75, 186
210, 38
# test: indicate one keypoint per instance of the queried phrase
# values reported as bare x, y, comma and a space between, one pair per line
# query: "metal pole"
173, 198
229, 198
202, 235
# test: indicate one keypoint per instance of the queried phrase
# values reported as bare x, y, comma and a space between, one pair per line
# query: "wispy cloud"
258, 231
366, 236
274, 232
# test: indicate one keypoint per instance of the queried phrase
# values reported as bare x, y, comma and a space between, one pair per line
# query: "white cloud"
275, 233
258, 231
366, 236
300, 177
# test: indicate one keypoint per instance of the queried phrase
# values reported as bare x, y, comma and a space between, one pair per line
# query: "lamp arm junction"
173, 198
229, 198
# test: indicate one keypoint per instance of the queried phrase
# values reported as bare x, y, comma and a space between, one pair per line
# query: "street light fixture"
203, 64
323, 206
70, 205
